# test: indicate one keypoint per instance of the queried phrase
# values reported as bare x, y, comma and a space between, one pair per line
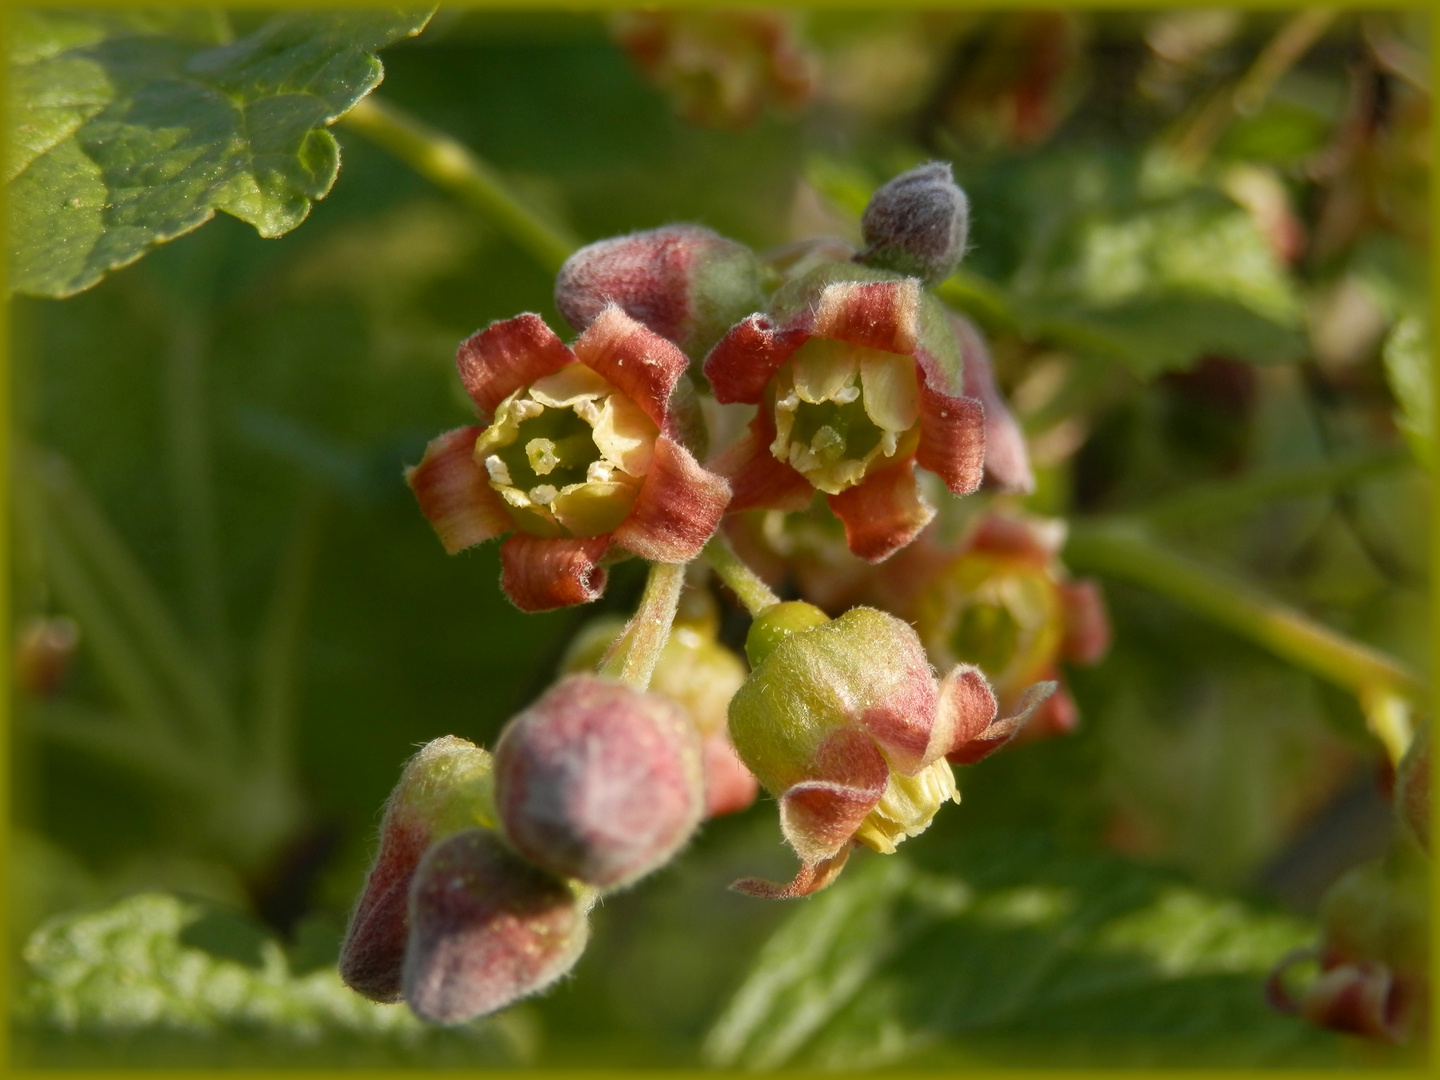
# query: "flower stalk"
720, 556
633, 657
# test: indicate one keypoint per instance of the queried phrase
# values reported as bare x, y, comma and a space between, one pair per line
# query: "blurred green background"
1200, 249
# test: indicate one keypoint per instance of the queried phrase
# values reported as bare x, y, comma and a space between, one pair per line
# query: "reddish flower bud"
1374, 953
44, 649
917, 224
721, 68
844, 722
598, 781
1412, 787
444, 789
486, 929
701, 676
685, 282
584, 454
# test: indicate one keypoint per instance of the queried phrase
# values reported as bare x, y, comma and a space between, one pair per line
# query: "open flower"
844, 722
1003, 602
582, 454
859, 377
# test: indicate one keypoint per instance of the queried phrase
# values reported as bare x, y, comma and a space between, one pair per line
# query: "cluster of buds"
1374, 953
487, 865
596, 451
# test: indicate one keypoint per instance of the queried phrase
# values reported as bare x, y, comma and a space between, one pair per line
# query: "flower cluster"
487, 864
855, 376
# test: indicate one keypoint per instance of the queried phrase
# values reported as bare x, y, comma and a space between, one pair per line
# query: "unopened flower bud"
44, 649
687, 283
1412, 787
917, 224
1374, 952
486, 929
445, 788
598, 781
701, 676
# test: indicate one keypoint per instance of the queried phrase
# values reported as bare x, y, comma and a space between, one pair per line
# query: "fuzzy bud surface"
917, 224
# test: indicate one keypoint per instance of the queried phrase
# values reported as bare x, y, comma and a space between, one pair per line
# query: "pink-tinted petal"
952, 437
497, 361
1034, 543
1007, 459
1000, 732
902, 718
811, 879
819, 816
729, 785
455, 493
1087, 626
877, 314
638, 362
539, 573
743, 361
1361, 998
882, 513
678, 508
759, 480
1056, 715
967, 706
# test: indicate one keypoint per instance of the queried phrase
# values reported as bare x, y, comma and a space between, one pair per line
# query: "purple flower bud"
684, 282
917, 224
598, 781
486, 929
444, 789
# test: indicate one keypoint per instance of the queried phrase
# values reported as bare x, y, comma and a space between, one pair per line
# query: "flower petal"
539, 573
455, 493
901, 714
507, 355
759, 480
967, 706
878, 314
741, 364
952, 437
882, 513
1007, 459
678, 508
1087, 626
818, 817
729, 785
811, 879
998, 732
638, 362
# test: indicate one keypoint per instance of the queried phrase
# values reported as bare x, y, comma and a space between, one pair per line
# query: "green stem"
743, 582
448, 164
1237, 496
1123, 550
636, 651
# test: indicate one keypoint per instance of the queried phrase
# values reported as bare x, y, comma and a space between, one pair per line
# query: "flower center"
567, 454
908, 806
841, 408
1005, 621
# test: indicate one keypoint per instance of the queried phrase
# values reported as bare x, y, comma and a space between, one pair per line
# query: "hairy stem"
744, 582
1123, 550
636, 651
448, 164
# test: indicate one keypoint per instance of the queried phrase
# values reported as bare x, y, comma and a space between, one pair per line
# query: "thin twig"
744, 582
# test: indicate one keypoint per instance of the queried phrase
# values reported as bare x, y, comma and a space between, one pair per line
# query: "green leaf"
1012, 951
1409, 356
130, 129
154, 978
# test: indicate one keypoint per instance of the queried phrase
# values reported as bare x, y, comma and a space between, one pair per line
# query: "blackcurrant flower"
859, 378
582, 454
844, 722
